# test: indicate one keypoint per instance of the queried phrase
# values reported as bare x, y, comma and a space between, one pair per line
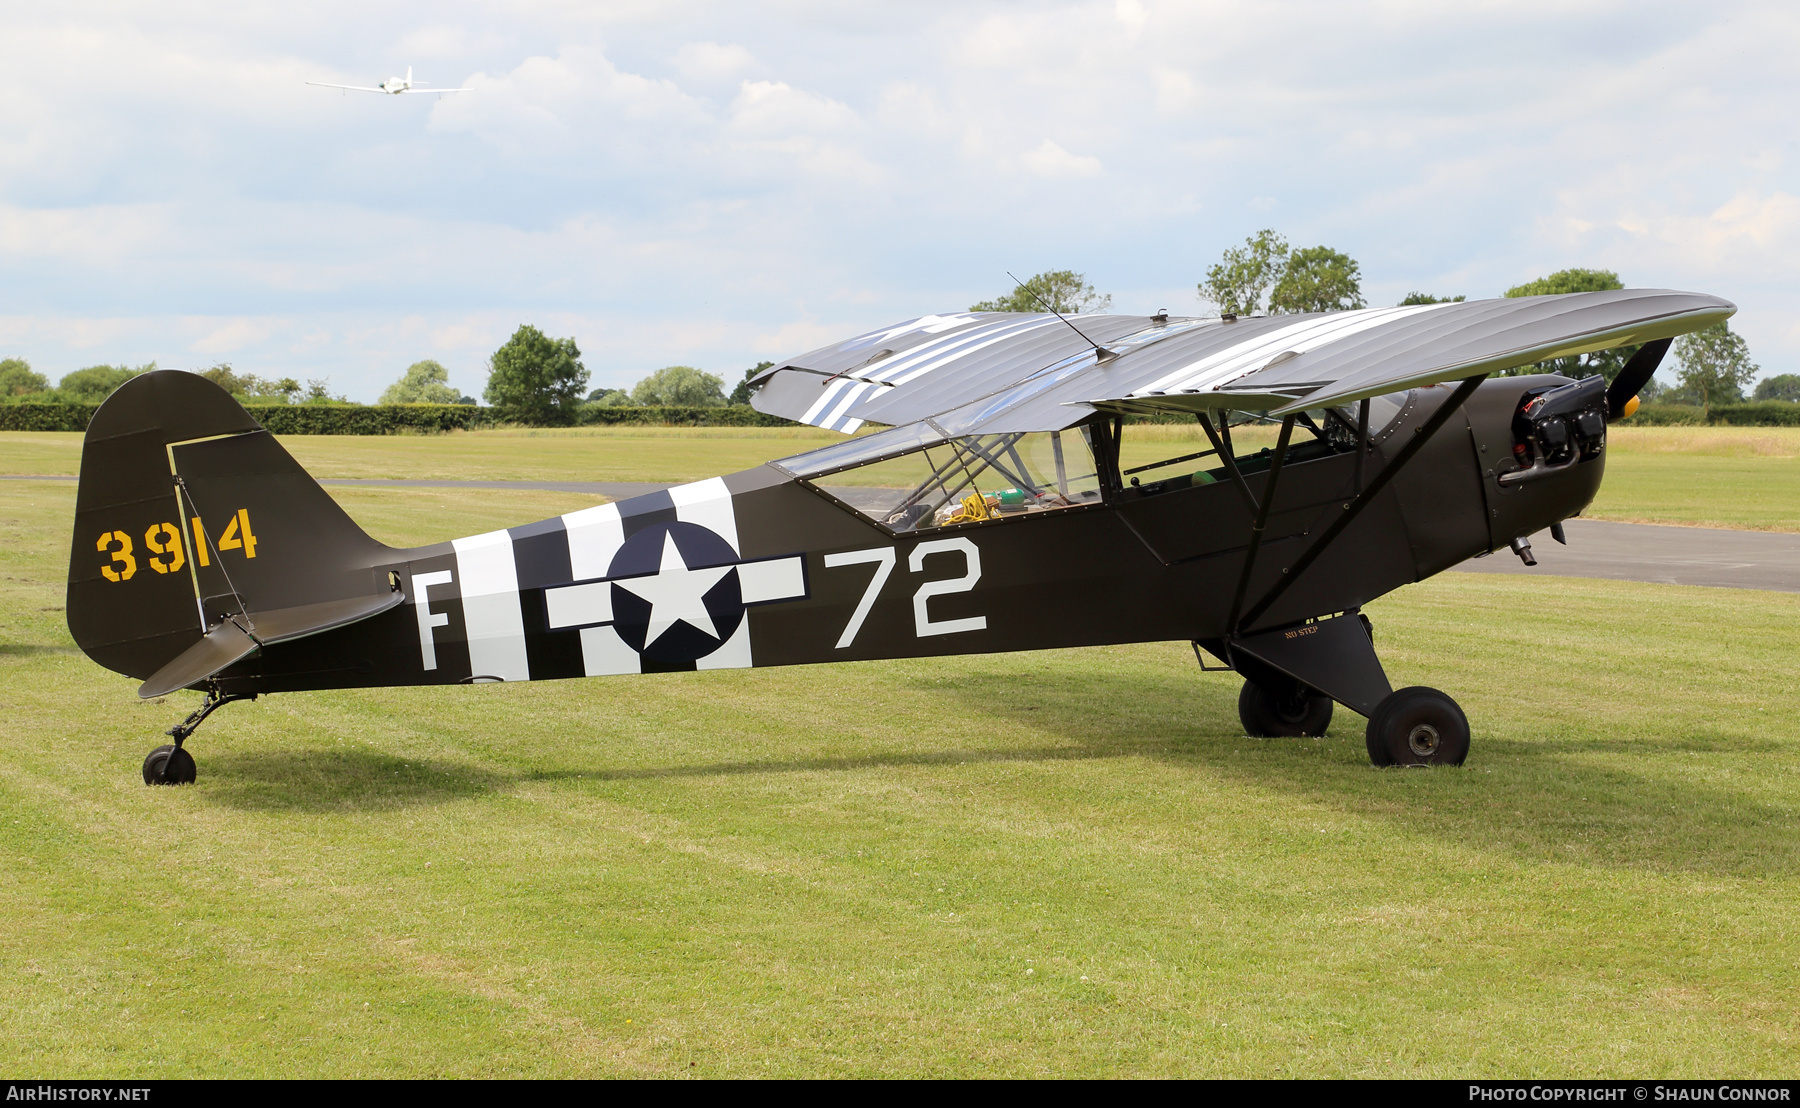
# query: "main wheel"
169, 765
1286, 713
1418, 726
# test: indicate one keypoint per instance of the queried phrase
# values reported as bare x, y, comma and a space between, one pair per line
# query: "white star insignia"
676, 593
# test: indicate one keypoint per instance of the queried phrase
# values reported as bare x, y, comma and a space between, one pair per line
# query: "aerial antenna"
1099, 350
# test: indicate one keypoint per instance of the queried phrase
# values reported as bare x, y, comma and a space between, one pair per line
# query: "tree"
679, 386
1427, 298
609, 398
1607, 363
18, 379
1317, 279
1715, 365
1785, 386
741, 394
425, 382
318, 391
536, 378
1569, 280
1237, 282
1057, 290
96, 382
248, 386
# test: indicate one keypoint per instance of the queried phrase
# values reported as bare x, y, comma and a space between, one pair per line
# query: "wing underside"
990, 372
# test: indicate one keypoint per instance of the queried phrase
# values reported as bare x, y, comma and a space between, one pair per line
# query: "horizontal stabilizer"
229, 643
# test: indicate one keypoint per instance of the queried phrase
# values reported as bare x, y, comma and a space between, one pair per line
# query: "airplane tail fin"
199, 539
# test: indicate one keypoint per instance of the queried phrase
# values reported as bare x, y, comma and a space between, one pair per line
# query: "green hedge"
734, 415
388, 419
375, 419
46, 417
1766, 413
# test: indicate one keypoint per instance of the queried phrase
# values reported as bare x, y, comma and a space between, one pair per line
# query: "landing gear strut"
170, 764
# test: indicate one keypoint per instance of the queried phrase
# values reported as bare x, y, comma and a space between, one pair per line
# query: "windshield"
973, 479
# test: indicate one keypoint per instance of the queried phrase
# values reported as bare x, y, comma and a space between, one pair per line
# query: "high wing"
352, 88
428, 88
995, 372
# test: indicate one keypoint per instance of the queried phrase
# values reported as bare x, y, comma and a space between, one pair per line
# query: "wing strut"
1351, 510
1223, 450
1262, 519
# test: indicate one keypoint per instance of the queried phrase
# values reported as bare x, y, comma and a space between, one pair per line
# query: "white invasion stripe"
578, 605
882, 370
825, 398
850, 426
490, 599
1251, 353
733, 653
776, 579
929, 324
954, 355
1303, 340
1302, 337
595, 535
707, 503
603, 652
851, 396
891, 371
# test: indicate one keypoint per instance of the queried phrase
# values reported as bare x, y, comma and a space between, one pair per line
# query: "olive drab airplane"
1002, 505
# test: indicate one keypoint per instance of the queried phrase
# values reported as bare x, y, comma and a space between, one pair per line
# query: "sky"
714, 184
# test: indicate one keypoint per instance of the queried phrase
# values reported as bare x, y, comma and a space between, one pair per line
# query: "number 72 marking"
883, 559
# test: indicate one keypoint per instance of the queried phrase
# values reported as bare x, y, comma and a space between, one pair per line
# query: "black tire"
1418, 726
1294, 712
169, 765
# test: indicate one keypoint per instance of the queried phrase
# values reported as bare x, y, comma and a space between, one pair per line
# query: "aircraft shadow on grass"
26, 650
341, 780
1537, 804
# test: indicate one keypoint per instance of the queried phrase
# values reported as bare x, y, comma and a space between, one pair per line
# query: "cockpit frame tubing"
1363, 499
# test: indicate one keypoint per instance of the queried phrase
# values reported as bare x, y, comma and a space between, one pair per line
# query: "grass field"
1743, 477
1059, 863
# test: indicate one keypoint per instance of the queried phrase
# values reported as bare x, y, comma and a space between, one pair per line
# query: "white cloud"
704, 182
777, 108
1051, 160
709, 61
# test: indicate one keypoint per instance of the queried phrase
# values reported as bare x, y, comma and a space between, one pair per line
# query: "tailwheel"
169, 765
1290, 711
1418, 726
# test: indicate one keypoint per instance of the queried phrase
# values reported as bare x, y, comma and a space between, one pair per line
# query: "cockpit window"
970, 480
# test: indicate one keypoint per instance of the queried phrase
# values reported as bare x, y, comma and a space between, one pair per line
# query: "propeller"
1634, 376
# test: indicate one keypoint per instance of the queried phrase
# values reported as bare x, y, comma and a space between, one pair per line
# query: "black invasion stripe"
541, 558
646, 511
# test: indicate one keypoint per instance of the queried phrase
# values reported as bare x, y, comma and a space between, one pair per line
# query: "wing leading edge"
991, 372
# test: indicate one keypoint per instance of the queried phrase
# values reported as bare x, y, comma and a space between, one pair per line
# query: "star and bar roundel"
674, 590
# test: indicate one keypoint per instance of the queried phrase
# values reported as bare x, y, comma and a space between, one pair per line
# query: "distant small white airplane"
393, 86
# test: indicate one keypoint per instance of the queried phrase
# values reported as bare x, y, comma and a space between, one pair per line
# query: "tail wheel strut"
170, 764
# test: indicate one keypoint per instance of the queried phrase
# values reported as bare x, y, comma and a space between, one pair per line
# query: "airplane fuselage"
762, 568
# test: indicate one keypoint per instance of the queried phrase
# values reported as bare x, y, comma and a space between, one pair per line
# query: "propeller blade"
1634, 376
